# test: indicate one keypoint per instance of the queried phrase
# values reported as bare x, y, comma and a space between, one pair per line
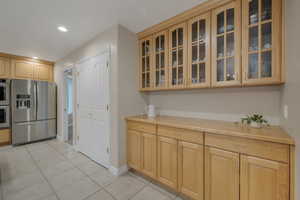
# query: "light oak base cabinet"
148, 154
133, 149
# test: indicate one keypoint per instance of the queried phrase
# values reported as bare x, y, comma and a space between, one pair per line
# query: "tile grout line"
34, 161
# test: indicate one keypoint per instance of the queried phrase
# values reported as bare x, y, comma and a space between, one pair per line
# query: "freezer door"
46, 100
23, 100
33, 131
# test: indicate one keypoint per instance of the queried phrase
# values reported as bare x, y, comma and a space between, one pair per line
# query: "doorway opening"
69, 107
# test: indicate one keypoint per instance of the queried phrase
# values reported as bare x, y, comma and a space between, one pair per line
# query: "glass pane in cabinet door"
174, 39
194, 73
147, 47
162, 60
230, 19
253, 11
143, 80
220, 70
180, 57
148, 79
143, 48
162, 43
220, 46
266, 9
147, 63
253, 66
180, 75
180, 36
230, 74
230, 44
143, 65
202, 30
202, 52
174, 58
157, 78
194, 54
157, 44
266, 68
174, 76
220, 23
195, 31
202, 72
157, 61
162, 77
253, 38
266, 39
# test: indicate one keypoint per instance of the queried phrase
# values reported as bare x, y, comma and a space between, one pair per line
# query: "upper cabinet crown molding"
219, 43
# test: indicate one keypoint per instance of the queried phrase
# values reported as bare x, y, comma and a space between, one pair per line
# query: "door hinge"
107, 150
107, 64
78, 105
107, 107
77, 137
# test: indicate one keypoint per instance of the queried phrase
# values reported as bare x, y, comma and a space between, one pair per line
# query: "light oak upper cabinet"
221, 174
133, 149
226, 45
160, 41
199, 51
190, 170
22, 69
167, 161
42, 72
4, 67
178, 56
148, 154
262, 42
146, 64
263, 179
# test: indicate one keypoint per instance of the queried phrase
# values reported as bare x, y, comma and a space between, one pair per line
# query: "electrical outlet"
285, 111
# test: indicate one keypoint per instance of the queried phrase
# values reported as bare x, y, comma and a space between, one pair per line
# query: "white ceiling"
29, 27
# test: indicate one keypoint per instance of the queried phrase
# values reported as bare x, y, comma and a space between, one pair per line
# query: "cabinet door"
23, 69
160, 41
42, 72
167, 161
178, 56
221, 174
226, 45
261, 42
199, 51
148, 154
191, 170
4, 67
133, 149
146, 64
263, 179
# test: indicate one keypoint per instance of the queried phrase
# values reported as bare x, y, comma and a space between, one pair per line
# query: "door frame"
106, 51
65, 133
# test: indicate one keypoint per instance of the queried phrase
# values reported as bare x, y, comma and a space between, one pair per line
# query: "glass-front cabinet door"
199, 51
146, 62
261, 42
160, 41
226, 45
177, 56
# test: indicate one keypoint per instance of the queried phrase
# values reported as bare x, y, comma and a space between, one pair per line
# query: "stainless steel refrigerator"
33, 106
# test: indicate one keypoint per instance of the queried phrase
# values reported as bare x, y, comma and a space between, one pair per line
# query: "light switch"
285, 111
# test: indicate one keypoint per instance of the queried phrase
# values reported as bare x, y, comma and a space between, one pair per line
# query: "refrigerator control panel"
23, 101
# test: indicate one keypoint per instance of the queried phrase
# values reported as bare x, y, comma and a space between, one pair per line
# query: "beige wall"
123, 76
291, 90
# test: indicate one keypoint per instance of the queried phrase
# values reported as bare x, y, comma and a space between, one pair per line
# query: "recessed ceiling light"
34, 57
62, 29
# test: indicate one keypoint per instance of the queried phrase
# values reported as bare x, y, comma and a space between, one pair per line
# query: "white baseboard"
118, 171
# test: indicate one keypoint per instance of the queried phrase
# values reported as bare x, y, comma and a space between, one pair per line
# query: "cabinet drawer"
268, 150
143, 127
181, 134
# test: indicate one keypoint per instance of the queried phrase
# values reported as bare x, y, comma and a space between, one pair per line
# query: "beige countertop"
270, 134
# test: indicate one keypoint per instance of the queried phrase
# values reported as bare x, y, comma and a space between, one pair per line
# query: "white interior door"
93, 114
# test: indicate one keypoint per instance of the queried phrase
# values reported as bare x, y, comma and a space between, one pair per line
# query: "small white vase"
255, 125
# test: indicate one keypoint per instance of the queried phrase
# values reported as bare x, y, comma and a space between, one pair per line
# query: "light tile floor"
52, 170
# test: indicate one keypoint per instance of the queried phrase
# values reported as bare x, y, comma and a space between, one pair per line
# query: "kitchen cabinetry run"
18, 67
219, 43
212, 160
